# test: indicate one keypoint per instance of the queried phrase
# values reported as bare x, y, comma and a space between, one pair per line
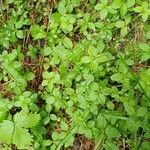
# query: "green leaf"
19, 34
145, 4
45, 82
61, 8
145, 16
30, 76
91, 124
47, 143
23, 119
19, 24
101, 99
91, 26
88, 133
99, 6
124, 31
69, 141
130, 3
101, 121
147, 35
116, 77
110, 145
103, 57
47, 51
129, 109
3, 115
64, 126
53, 117
117, 4
142, 111
112, 132
145, 56
92, 51
37, 32
22, 138
145, 145
101, 46
76, 3
104, 2
110, 105
27, 94
144, 47
6, 131
138, 9
103, 13
17, 64
10, 1
67, 43
50, 100
123, 67
47, 118
55, 136
94, 65
86, 59
123, 10
120, 24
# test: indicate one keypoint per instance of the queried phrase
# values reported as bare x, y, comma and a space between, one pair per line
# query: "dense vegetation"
74, 74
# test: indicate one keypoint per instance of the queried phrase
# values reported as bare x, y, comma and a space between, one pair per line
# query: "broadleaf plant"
74, 74
16, 131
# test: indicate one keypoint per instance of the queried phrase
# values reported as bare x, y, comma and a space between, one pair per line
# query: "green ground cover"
75, 74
